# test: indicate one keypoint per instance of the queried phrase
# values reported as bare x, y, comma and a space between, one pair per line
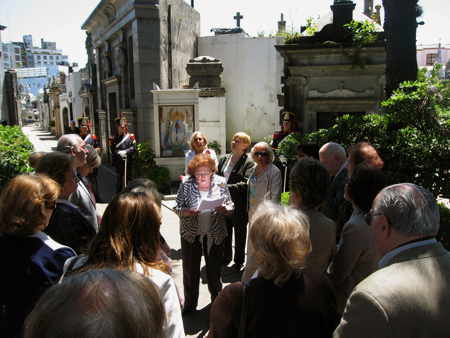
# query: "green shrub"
214, 145
285, 196
143, 160
15, 150
413, 138
162, 177
443, 234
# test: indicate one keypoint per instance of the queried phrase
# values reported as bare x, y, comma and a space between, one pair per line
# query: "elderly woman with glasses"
264, 183
356, 256
31, 261
203, 230
199, 145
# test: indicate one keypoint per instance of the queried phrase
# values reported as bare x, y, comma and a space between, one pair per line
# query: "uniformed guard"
84, 126
282, 161
288, 127
122, 145
85, 132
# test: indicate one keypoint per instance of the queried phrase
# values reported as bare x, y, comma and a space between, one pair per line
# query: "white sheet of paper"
210, 204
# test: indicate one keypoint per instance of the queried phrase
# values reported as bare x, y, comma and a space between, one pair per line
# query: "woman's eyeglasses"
198, 139
202, 174
262, 154
50, 206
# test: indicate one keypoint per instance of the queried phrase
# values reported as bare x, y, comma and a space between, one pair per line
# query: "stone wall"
252, 72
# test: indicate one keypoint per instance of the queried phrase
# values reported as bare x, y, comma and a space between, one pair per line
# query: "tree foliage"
412, 138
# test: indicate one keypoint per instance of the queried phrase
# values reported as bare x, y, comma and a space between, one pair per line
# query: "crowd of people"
350, 256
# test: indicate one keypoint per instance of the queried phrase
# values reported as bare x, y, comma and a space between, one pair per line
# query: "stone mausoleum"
326, 77
136, 44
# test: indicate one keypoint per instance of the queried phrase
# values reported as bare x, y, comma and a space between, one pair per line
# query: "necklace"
233, 163
260, 172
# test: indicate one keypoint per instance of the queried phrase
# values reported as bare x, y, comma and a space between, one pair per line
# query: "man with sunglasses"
409, 296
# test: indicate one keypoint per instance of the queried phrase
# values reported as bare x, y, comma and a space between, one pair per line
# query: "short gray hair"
92, 158
410, 209
66, 142
268, 149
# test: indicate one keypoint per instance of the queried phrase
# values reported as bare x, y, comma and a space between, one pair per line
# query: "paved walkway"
196, 324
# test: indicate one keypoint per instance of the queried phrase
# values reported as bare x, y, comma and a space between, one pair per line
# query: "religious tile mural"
176, 125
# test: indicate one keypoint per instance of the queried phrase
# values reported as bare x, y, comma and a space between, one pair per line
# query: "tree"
400, 27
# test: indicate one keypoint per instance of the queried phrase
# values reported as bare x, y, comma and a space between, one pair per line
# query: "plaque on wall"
176, 125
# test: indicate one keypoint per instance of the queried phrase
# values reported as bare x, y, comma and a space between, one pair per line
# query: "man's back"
410, 297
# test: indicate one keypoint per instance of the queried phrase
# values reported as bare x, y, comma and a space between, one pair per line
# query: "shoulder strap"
126, 137
244, 311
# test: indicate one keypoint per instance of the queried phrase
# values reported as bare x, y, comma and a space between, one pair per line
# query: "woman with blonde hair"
31, 261
199, 145
128, 238
285, 300
237, 167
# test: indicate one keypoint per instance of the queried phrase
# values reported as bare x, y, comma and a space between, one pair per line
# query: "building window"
57, 58
38, 57
431, 58
51, 57
45, 57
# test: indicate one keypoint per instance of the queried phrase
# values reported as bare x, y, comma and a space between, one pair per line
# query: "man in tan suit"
410, 295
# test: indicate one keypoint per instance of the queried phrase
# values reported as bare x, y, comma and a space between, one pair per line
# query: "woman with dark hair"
31, 261
310, 181
357, 153
284, 300
99, 303
237, 168
67, 225
308, 149
202, 231
128, 238
356, 256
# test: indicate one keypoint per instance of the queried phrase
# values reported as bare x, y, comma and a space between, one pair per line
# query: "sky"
61, 21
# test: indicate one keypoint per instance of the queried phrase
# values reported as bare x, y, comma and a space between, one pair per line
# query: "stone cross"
238, 18
341, 85
282, 17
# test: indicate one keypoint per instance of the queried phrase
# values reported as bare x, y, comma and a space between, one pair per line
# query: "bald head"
333, 156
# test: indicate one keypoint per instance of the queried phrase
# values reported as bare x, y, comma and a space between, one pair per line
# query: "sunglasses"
198, 139
262, 154
50, 206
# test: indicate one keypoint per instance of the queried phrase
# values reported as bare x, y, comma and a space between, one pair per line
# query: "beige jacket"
410, 297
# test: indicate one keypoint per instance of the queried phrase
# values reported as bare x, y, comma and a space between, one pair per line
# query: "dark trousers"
191, 256
237, 221
119, 166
